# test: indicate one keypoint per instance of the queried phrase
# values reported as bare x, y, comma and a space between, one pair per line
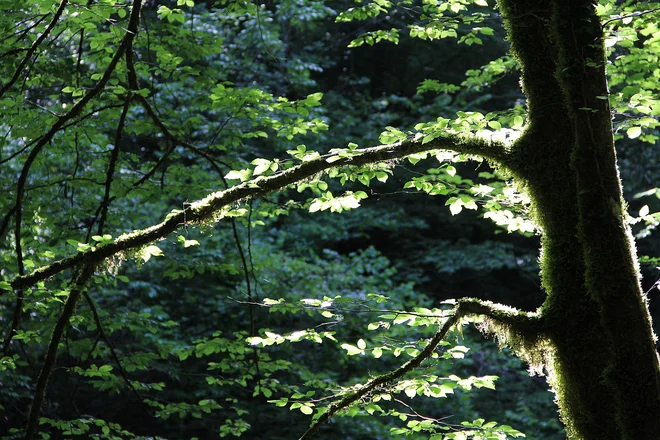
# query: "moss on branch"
212, 206
522, 332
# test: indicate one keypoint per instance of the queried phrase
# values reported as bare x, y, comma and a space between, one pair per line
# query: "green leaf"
494, 125
634, 132
241, 175
351, 349
262, 165
149, 251
391, 135
187, 243
517, 121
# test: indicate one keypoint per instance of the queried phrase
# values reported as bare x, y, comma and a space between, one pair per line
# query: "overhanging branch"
521, 322
212, 205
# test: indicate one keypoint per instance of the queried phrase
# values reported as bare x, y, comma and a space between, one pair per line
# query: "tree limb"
465, 307
45, 139
523, 323
207, 208
51, 355
378, 381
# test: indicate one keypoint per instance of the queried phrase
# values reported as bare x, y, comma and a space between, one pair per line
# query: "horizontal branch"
207, 208
521, 322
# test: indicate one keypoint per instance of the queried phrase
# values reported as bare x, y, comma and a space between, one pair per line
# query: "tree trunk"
603, 365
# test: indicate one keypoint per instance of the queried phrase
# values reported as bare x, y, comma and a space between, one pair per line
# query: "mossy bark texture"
604, 366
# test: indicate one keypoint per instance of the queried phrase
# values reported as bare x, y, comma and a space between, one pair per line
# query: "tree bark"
604, 366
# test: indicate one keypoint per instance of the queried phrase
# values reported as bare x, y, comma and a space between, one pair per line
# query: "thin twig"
634, 14
23, 33
35, 45
10, 157
114, 157
249, 249
79, 283
113, 352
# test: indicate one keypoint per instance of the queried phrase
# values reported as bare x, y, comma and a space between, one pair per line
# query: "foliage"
251, 319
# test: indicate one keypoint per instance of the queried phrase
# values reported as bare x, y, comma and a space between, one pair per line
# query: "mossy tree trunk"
604, 359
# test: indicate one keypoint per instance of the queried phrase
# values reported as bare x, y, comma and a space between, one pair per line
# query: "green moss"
573, 348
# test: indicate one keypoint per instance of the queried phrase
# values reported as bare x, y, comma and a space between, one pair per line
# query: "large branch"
524, 324
211, 206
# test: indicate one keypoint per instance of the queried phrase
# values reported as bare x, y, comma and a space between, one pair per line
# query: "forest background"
248, 325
